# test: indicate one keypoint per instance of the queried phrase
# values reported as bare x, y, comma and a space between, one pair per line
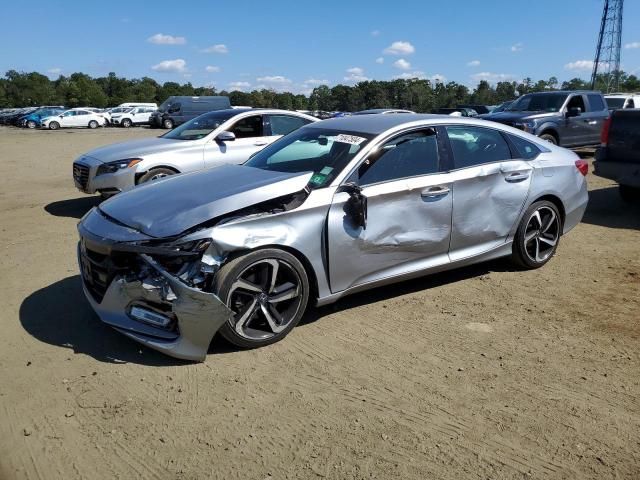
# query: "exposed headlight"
113, 167
527, 126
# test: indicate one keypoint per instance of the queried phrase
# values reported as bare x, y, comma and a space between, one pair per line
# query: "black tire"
167, 123
290, 271
531, 245
31, 124
155, 174
629, 194
126, 123
54, 125
549, 138
93, 124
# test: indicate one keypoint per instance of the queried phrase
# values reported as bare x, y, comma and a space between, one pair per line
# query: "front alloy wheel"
267, 291
538, 235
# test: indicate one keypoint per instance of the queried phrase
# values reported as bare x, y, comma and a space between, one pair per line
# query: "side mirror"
61, 116
226, 137
574, 112
356, 206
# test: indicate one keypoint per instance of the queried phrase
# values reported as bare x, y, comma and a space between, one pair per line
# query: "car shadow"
607, 209
73, 208
59, 315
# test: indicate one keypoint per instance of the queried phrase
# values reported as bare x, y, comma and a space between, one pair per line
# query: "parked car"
74, 118
333, 208
565, 118
480, 109
617, 101
132, 116
33, 119
618, 157
175, 111
223, 136
459, 111
13, 117
101, 112
383, 111
496, 109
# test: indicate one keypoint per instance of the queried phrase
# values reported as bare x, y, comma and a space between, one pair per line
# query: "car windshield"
201, 126
324, 152
615, 102
546, 102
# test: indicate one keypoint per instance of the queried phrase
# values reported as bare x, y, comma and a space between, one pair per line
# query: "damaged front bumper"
158, 310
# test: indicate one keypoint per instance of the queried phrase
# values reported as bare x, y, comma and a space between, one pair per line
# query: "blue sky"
295, 45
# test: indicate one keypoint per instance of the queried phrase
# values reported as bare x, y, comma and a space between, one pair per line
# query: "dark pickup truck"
618, 158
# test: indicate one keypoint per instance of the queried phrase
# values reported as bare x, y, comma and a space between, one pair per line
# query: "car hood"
136, 148
505, 117
168, 207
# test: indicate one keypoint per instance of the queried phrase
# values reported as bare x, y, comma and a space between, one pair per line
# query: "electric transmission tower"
606, 66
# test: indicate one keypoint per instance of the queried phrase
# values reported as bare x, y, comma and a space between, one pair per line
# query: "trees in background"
20, 89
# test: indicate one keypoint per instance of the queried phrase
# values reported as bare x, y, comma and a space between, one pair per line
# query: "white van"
617, 101
139, 104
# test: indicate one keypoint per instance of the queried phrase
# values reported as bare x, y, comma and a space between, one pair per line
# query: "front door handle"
433, 192
260, 144
516, 177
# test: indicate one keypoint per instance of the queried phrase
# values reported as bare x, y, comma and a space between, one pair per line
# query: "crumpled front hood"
135, 148
168, 207
509, 117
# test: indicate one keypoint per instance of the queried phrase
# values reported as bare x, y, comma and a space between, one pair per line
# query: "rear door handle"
433, 192
516, 177
591, 122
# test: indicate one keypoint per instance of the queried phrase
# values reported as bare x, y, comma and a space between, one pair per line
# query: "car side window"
248, 127
596, 103
407, 155
174, 108
576, 102
284, 124
630, 104
476, 146
69, 114
526, 149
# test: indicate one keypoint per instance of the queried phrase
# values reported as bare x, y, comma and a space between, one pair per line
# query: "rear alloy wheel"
155, 174
538, 235
54, 125
31, 124
168, 124
93, 124
126, 123
549, 138
267, 291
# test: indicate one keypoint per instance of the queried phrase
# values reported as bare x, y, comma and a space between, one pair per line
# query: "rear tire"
93, 124
268, 291
538, 235
629, 194
54, 125
155, 174
31, 124
168, 124
549, 138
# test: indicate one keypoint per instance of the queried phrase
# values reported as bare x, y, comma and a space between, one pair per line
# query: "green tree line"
20, 89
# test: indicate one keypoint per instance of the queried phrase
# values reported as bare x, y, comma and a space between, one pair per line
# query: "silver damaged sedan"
335, 207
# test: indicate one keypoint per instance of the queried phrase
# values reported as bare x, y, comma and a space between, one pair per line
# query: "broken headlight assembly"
113, 167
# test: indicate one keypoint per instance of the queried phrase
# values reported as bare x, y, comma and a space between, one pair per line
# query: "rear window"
526, 149
596, 102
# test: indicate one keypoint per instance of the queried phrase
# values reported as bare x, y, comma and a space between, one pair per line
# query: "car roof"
372, 124
380, 110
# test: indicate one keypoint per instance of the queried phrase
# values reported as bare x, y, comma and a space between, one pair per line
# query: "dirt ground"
481, 373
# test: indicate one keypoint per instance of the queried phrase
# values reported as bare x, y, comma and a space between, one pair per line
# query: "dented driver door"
408, 223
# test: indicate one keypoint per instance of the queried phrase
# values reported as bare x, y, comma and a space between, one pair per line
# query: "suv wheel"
126, 123
549, 138
167, 123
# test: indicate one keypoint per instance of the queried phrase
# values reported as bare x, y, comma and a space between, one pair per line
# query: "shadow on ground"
73, 208
60, 315
607, 209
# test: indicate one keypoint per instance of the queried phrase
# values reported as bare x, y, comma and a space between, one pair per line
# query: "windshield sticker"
350, 139
326, 170
318, 179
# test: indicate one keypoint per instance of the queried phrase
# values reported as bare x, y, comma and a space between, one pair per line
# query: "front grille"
99, 269
81, 174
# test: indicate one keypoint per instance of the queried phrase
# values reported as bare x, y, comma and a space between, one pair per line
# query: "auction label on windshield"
350, 139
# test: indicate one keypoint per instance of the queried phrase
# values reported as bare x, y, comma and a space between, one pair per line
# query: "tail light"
604, 135
582, 166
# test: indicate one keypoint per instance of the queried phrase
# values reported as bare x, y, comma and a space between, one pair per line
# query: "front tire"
93, 124
155, 174
549, 138
126, 123
538, 235
268, 291
54, 126
31, 124
167, 123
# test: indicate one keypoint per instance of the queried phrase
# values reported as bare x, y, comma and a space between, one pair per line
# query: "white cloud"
177, 65
517, 47
186, 75
402, 64
218, 48
632, 45
315, 81
277, 79
492, 77
399, 48
380, 60
55, 71
239, 86
583, 65
161, 39
473, 63
375, 33
356, 74
212, 68
409, 75
438, 78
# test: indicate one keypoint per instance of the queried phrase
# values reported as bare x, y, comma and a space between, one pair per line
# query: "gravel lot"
482, 373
